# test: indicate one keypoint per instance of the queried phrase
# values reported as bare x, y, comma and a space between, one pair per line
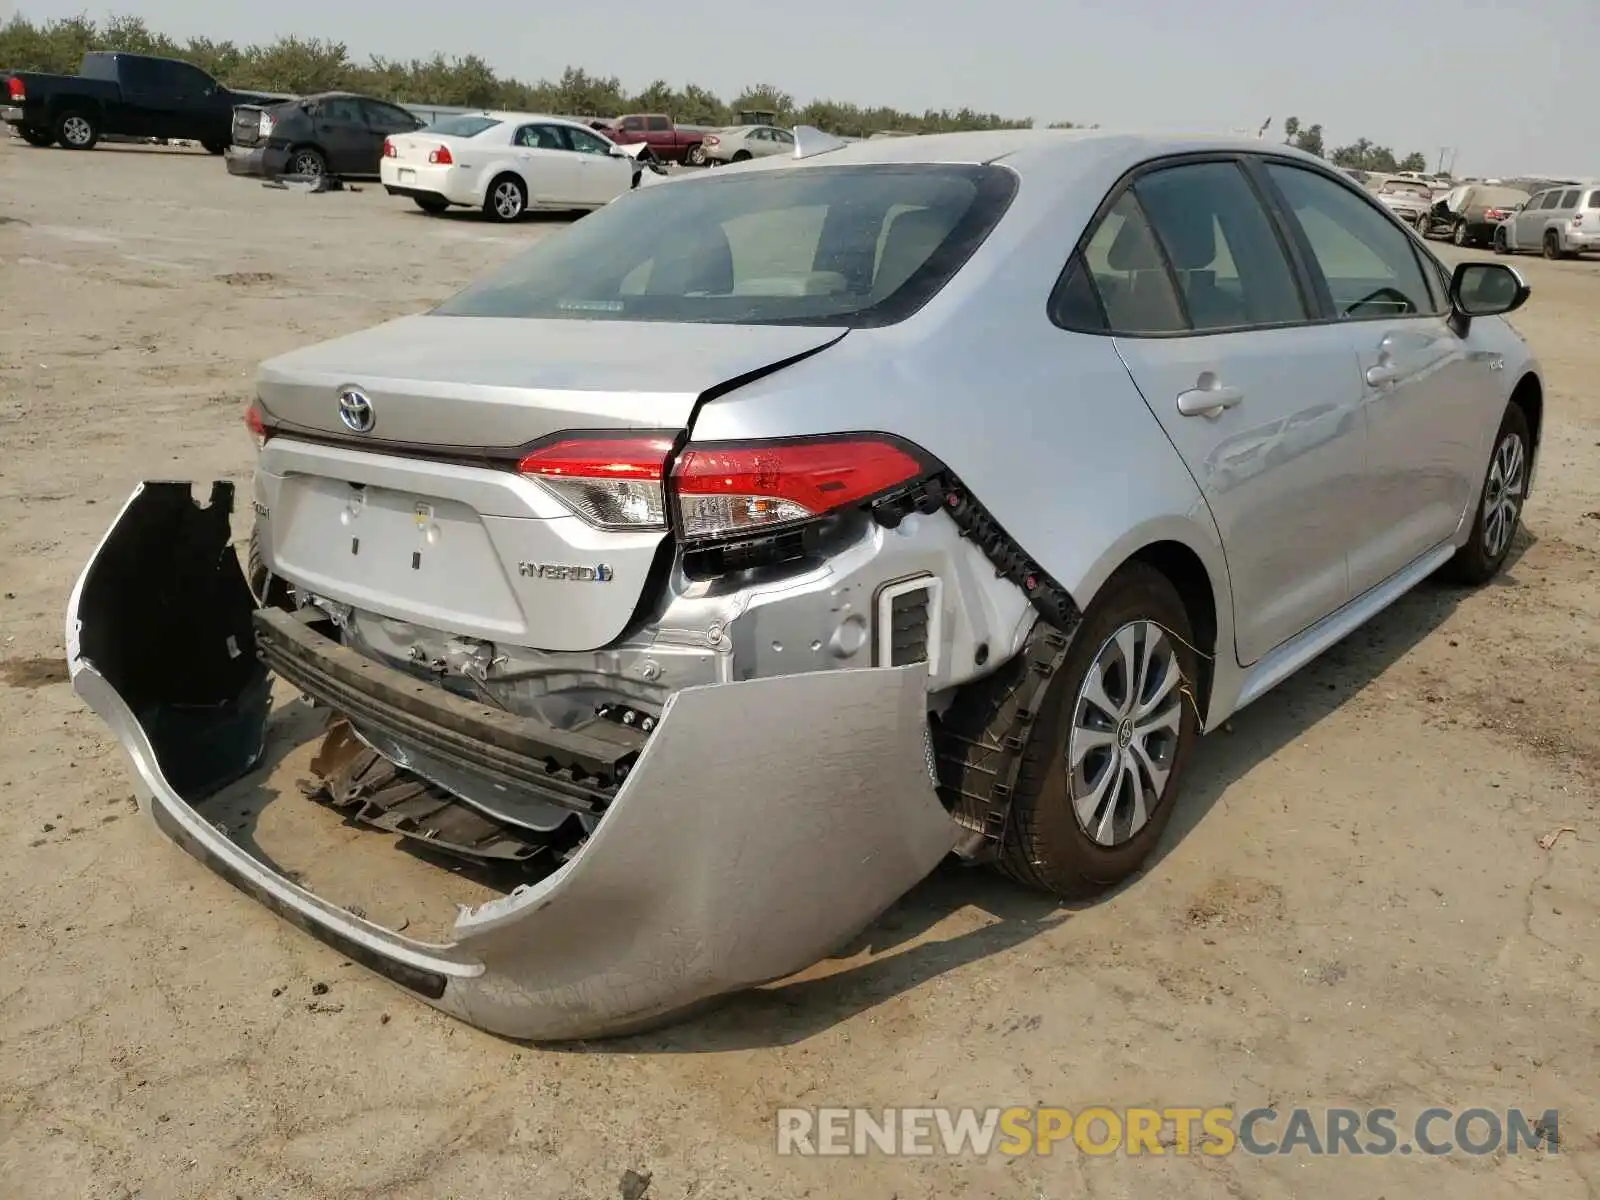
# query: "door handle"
1383, 375
1208, 401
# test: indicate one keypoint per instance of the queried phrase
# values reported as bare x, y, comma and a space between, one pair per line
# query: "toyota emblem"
355, 410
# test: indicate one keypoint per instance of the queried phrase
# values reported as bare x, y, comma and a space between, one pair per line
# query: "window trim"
1420, 254
1317, 305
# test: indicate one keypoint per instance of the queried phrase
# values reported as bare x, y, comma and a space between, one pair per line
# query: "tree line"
1361, 154
303, 65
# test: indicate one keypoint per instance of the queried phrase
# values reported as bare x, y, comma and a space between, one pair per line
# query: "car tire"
432, 205
1046, 846
696, 155
1501, 245
1459, 234
1500, 500
37, 137
307, 161
77, 131
506, 200
1552, 245
741, 156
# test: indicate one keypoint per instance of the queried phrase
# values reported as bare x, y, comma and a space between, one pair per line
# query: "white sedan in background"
507, 163
740, 142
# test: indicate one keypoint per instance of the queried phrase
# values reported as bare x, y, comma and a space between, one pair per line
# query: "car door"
1422, 386
339, 127
780, 141
549, 169
151, 97
1530, 221
1219, 334
603, 176
382, 121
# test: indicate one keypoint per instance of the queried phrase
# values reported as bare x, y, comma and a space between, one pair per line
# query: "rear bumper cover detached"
763, 825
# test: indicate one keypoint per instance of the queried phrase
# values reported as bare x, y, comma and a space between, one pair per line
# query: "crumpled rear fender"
765, 824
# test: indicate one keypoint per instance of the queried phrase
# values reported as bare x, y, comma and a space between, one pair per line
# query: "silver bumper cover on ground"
765, 824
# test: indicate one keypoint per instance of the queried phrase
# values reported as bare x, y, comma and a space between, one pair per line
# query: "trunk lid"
401, 520
247, 124
415, 147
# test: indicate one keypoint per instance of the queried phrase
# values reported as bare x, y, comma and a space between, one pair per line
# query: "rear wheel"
740, 156
1459, 234
1501, 245
1108, 748
77, 131
307, 161
432, 204
1552, 244
1505, 485
37, 137
507, 200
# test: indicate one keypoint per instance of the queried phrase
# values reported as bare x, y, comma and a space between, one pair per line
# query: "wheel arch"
1528, 395
1190, 556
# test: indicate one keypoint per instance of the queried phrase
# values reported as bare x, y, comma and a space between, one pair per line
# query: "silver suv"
1560, 222
752, 544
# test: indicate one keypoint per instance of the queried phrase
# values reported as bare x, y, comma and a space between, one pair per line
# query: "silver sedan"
752, 544
741, 142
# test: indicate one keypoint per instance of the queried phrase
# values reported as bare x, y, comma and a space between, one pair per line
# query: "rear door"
1422, 393
602, 176
340, 128
551, 171
1529, 223
1216, 328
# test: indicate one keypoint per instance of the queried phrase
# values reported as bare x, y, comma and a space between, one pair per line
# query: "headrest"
913, 237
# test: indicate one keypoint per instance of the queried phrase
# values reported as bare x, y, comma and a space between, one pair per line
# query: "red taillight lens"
441, 157
256, 422
611, 482
1495, 214
713, 140
732, 490
16, 89
388, 149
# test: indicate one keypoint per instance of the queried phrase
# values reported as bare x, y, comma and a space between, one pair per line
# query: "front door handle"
1208, 401
1383, 375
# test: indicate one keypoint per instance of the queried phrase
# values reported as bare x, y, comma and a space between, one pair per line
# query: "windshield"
463, 126
856, 246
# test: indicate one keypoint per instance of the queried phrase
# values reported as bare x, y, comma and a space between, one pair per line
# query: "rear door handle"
1208, 401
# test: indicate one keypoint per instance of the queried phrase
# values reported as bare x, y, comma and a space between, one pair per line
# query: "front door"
550, 169
1422, 390
1529, 223
602, 175
1261, 402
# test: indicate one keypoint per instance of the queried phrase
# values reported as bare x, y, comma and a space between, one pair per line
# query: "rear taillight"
264, 126
441, 157
16, 89
256, 422
713, 140
733, 491
1495, 214
1577, 218
388, 149
611, 482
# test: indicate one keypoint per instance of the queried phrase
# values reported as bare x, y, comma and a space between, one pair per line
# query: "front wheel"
1505, 485
37, 137
1106, 753
77, 131
307, 161
507, 200
1501, 245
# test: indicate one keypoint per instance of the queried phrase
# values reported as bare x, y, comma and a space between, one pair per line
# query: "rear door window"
342, 110
1229, 265
541, 137
1570, 199
1592, 201
1129, 273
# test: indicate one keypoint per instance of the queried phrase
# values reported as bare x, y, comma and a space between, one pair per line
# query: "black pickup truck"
125, 95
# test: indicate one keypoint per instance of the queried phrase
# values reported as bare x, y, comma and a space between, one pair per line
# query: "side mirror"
1486, 289
617, 151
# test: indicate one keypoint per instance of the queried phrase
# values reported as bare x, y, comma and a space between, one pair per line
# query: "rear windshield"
856, 246
464, 127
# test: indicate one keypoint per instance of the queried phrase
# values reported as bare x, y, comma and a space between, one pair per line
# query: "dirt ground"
1352, 907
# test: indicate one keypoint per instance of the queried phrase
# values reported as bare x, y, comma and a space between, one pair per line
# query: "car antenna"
809, 141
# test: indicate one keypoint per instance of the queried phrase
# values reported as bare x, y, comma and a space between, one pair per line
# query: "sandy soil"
1351, 908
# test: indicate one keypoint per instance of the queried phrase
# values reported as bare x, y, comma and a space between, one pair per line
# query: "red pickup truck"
669, 142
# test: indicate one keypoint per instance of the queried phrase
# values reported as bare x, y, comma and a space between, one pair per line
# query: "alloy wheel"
306, 162
77, 131
507, 200
1502, 496
1126, 724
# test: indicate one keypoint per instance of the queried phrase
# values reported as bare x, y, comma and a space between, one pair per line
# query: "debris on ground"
634, 1184
319, 989
1547, 841
310, 184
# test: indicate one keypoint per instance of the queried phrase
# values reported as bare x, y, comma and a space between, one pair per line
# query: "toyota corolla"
758, 541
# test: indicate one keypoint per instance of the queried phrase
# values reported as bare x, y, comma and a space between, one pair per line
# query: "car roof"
509, 117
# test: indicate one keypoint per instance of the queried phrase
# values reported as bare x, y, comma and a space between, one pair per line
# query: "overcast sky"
1501, 82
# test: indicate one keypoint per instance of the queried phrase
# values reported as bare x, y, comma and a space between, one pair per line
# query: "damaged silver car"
751, 545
